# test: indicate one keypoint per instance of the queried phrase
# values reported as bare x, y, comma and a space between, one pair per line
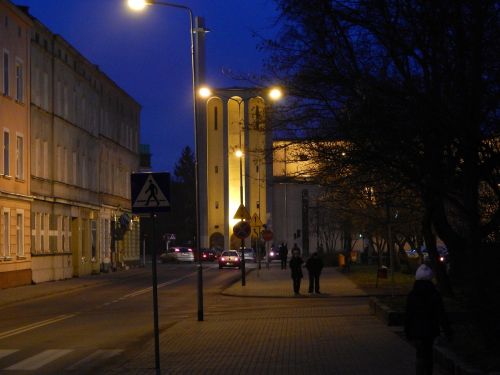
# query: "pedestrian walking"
296, 268
314, 266
283, 255
424, 318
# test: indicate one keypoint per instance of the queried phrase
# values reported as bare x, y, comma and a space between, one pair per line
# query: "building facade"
85, 144
15, 198
236, 164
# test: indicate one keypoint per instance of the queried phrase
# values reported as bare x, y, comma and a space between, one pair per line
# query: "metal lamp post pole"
196, 167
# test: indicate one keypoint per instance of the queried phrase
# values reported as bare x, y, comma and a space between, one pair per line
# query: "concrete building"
15, 199
85, 143
235, 122
271, 179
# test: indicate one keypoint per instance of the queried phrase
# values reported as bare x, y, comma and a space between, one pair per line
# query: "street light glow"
238, 153
137, 5
204, 92
275, 93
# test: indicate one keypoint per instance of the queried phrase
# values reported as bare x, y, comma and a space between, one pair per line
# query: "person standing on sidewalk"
296, 268
424, 317
283, 255
314, 266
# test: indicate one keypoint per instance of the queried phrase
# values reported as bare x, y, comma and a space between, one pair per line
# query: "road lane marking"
36, 325
90, 361
6, 352
40, 360
148, 289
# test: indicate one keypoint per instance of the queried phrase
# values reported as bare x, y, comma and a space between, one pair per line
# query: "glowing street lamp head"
204, 92
275, 93
238, 153
137, 5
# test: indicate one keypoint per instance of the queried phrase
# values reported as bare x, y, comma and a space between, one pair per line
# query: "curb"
450, 364
447, 361
384, 312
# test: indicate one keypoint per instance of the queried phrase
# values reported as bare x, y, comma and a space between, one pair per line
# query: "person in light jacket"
424, 318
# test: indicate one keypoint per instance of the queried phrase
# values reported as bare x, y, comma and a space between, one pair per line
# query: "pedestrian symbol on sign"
149, 192
152, 189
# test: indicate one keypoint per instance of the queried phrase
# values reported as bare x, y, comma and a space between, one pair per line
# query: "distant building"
85, 144
144, 158
15, 198
235, 121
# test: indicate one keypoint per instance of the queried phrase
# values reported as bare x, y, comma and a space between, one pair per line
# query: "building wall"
85, 136
15, 199
235, 120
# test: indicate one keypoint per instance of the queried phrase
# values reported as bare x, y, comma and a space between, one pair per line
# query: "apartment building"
15, 199
85, 144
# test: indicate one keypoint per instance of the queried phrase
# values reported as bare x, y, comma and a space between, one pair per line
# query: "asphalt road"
91, 327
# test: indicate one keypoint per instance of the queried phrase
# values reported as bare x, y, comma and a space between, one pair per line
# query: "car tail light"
271, 253
190, 250
223, 259
441, 259
204, 255
177, 250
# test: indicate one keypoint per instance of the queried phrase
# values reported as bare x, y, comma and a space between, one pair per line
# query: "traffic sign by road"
150, 192
242, 229
267, 235
255, 221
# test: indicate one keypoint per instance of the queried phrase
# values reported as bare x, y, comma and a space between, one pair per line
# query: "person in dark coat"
314, 266
283, 255
296, 268
424, 318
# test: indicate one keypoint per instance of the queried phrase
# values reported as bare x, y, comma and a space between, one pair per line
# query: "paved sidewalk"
275, 282
331, 333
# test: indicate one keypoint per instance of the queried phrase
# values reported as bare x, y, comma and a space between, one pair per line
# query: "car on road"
249, 255
177, 254
208, 255
229, 258
274, 254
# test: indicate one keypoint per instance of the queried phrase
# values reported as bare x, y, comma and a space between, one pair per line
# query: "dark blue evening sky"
148, 55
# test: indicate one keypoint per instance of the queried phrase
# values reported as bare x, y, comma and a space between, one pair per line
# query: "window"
45, 95
5, 72
42, 232
20, 233
74, 168
60, 233
45, 160
6, 233
19, 157
6, 147
19, 81
38, 157
215, 118
65, 166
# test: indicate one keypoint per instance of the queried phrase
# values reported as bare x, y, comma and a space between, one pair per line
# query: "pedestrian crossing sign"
150, 192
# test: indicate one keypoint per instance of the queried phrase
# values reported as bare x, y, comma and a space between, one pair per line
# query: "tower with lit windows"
236, 163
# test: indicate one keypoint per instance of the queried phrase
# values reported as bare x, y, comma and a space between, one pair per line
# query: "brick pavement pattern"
325, 334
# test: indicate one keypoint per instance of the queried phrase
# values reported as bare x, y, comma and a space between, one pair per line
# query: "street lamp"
138, 5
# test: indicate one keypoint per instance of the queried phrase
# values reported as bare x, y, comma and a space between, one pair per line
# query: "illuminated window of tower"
215, 118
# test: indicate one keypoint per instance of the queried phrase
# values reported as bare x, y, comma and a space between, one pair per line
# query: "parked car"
208, 255
229, 258
177, 254
249, 255
274, 254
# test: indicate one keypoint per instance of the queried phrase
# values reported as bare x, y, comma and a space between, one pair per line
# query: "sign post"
151, 194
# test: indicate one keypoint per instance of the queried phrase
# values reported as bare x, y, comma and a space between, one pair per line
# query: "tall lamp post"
140, 5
